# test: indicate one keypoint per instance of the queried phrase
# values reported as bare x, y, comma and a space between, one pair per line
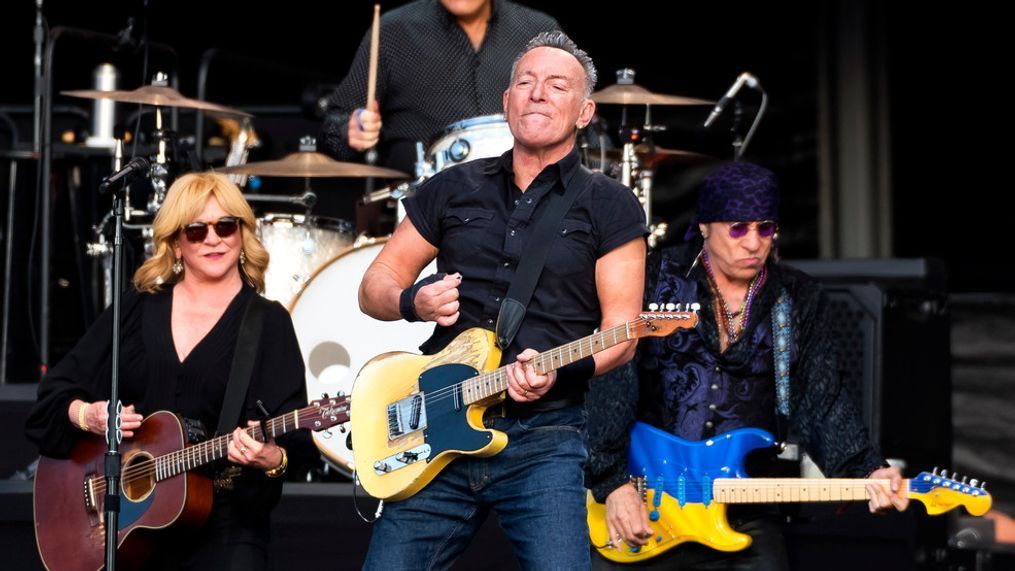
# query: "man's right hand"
439, 301
364, 128
626, 517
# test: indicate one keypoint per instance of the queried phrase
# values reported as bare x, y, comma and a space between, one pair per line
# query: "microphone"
744, 78
138, 166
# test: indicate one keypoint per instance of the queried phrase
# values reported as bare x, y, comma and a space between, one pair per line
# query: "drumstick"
375, 35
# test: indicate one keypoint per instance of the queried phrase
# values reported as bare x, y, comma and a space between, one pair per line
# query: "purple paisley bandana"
736, 192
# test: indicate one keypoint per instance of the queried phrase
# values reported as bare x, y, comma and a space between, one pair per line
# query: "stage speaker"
891, 323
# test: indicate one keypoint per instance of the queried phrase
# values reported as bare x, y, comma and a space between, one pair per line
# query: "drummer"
439, 63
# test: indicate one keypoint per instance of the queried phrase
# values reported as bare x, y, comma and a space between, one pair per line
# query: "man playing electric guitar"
729, 373
476, 219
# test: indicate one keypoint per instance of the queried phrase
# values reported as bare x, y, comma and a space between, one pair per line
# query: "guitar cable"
355, 500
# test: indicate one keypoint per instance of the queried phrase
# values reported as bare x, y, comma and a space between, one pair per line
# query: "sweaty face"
545, 103
737, 259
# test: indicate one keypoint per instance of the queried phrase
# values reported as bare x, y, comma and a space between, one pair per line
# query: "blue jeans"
535, 486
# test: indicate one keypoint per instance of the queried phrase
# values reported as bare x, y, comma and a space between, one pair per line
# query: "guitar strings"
499, 375
204, 450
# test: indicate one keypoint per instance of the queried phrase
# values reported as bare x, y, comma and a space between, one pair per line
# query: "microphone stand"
738, 141
738, 152
112, 464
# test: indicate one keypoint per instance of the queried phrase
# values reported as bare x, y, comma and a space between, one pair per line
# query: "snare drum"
337, 339
470, 139
298, 245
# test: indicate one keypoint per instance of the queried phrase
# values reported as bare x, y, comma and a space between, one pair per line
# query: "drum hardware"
307, 200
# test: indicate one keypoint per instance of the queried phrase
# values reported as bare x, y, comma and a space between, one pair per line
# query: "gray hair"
558, 39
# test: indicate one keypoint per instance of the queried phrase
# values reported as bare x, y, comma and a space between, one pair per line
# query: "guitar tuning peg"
964, 479
695, 307
934, 471
653, 306
983, 485
670, 306
974, 482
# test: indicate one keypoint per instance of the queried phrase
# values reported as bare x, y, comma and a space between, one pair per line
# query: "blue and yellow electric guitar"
687, 485
416, 413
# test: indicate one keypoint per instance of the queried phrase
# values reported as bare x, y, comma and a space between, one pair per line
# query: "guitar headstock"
324, 413
662, 320
940, 493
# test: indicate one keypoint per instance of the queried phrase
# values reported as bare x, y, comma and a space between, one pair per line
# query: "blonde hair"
184, 202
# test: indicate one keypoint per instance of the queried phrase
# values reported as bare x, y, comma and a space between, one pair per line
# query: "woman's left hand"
244, 450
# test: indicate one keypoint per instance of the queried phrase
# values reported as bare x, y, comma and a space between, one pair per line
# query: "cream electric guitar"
414, 414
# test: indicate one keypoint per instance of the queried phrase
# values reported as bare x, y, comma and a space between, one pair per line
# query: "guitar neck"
208, 451
491, 383
793, 490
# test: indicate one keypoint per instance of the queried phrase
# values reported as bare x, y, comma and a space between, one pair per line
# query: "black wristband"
407, 300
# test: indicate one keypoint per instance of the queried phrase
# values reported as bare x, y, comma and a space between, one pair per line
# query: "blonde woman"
179, 328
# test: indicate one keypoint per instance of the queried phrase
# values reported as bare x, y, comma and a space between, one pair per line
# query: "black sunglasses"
224, 227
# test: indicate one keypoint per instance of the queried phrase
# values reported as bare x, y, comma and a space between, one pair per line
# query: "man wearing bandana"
722, 376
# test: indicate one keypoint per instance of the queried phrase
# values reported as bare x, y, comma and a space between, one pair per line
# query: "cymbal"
155, 95
631, 94
311, 164
661, 155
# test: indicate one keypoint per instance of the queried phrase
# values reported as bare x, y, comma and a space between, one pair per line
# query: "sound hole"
138, 476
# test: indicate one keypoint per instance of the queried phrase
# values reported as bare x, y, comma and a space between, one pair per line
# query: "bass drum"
337, 339
470, 139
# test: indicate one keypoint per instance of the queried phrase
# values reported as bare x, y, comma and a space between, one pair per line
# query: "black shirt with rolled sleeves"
479, 220
429, 76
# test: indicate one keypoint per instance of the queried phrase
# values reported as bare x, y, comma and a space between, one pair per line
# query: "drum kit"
317, 262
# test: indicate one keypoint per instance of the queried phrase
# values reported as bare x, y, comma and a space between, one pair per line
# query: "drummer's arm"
395, 268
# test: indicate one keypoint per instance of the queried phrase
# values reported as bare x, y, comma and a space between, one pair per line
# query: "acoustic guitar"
159, 487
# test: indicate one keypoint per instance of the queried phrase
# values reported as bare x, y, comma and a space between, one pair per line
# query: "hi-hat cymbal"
631, 94
155, 95
311, 164
658, 155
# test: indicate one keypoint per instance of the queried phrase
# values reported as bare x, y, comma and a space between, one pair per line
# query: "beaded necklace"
733, 323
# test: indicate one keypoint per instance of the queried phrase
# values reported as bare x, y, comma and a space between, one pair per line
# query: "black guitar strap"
519, 294
247, 343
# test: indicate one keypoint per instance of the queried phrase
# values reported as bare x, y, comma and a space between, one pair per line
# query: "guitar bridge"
91, 495
407, 415
402, 459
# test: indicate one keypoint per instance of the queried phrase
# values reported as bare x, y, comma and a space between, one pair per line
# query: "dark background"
946, 94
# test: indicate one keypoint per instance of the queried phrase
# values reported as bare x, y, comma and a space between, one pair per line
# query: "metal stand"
112, 464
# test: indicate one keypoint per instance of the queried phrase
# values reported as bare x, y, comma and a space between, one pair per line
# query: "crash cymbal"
155, 95
660, 155
631, 94
311, 164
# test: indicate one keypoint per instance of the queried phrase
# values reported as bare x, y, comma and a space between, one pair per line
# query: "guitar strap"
519, 294
782, 330
247, 343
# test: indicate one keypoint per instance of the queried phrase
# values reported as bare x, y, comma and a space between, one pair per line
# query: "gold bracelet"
81, 417
279, 470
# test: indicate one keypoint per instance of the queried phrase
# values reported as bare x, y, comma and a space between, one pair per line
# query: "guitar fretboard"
491, 383
792, 490
197, 455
